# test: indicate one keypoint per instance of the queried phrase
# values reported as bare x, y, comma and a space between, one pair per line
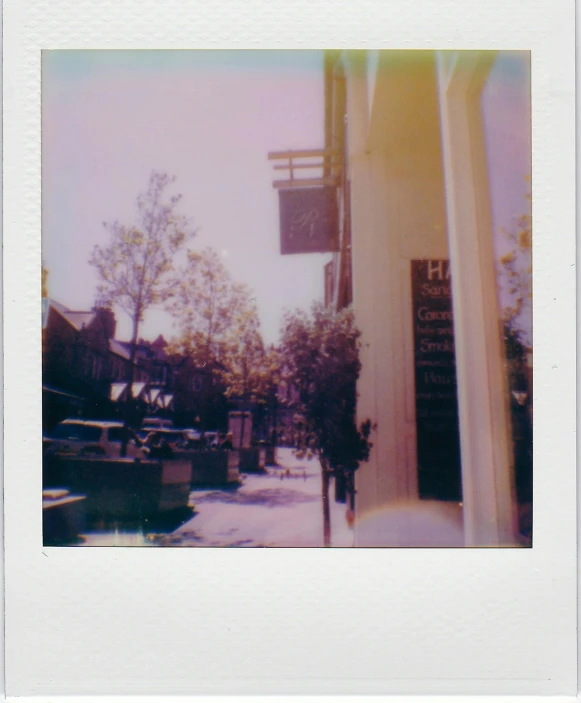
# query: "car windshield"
171, 436
79, 432
115, 434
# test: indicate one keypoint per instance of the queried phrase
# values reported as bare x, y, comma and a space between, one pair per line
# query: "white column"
362, 263
487, 475
382, 307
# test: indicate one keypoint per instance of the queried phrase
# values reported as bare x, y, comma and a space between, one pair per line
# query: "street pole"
326, 509
129, 396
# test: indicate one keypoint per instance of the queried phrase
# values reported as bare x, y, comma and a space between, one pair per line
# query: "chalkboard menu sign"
438, 439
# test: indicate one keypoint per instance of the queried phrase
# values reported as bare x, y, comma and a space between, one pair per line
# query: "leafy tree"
44, 283
244, 371
219, 326
320, 352
206, 305
250, 369
516, 284
514, 348
516, 280
136, 267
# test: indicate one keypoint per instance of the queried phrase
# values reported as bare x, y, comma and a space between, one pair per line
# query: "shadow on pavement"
267, 497
165, 522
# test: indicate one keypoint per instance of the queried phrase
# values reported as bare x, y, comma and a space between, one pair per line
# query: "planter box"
250, 460
270, 455
63, 517
124, 488
213, 468
176, 483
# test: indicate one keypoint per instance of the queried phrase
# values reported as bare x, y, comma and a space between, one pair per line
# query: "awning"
164, 401
117, 390
49, 389
137, 389
152, 395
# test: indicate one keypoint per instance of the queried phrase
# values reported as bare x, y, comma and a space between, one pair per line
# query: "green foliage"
135, 269
44, 282
244, 363
516, 280
514, 348
320, 355
206, 305
219, 327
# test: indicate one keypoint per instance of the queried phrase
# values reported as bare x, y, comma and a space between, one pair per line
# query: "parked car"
192, 434
193, 438
151, 424
143, 434
91, 438
211, 439
175, 438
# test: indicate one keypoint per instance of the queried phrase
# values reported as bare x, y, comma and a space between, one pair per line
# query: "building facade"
85, 372
417, 263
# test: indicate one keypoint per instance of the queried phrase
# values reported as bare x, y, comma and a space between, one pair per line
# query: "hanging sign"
308, 220
435, 375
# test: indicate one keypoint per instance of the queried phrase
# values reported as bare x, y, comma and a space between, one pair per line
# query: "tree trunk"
204, 408
274, 437
242, 425
351, 491
326, 510
129, 396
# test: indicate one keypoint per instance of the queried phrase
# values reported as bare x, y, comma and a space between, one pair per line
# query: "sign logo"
308, 220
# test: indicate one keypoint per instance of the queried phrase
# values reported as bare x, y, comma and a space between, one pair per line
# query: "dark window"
171, 436
328, 283
85, 433
115, 434
197, 384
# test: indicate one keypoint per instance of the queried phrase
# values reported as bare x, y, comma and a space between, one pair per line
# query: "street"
279, 508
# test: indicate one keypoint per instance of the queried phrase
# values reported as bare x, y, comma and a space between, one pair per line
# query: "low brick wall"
122, 488
270, 455
250, 460
209, 468
63, 519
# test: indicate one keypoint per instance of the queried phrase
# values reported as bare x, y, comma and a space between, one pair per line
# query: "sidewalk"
280, 508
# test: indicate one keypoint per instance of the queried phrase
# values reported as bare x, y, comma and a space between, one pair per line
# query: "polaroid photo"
289, 296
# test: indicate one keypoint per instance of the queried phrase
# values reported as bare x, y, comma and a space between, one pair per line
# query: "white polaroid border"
203, 621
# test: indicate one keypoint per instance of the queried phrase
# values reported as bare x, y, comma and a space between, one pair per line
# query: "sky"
210, 119
506, 113
506, 116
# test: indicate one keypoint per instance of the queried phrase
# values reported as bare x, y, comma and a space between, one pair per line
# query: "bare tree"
136, 267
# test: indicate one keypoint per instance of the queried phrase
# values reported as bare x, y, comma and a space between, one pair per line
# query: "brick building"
85, 370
